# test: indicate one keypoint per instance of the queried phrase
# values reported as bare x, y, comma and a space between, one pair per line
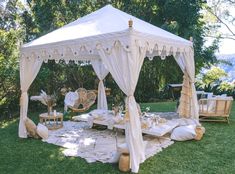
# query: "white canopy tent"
105, 38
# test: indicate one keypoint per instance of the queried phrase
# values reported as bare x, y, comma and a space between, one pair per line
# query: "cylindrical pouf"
124, 162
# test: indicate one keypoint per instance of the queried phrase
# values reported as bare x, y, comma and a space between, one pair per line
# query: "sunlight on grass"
5, 124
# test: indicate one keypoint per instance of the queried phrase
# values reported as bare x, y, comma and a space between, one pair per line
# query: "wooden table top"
45, 115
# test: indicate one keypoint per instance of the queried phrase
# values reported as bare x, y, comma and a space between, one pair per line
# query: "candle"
54, 112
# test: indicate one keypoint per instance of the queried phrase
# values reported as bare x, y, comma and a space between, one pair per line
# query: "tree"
219, 13
10, 39
214, 75
213, 80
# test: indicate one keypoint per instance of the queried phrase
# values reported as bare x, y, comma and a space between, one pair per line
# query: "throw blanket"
70, 99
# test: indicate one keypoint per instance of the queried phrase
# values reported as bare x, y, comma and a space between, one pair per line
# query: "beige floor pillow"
42, 131
31, 128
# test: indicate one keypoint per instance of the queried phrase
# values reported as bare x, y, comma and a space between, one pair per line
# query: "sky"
227, 47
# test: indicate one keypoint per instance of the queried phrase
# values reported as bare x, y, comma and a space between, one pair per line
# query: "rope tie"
21, 97
127, 116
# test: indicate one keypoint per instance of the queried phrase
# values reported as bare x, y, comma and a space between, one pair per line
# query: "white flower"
147, 109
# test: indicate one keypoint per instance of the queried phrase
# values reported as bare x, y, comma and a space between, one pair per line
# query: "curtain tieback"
132, 95
191, 81
127, 116
100, 81
23, 92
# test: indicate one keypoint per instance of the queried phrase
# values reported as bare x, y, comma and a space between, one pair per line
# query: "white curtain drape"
186, 63
125, 67
29, 69
101, 73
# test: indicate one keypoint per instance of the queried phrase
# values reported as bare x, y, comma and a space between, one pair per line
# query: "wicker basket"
199, 133
124, 162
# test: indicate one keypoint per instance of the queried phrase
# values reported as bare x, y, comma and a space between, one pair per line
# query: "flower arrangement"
48, 100
118, 102
117, 109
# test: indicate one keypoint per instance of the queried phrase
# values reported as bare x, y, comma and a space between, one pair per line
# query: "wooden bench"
217, 107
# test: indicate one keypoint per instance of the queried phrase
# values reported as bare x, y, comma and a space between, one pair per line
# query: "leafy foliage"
212, 81
10, 39
214, 75
9, 74
220, 14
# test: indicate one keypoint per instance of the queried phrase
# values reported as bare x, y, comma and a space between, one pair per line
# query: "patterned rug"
168, 115
79, 140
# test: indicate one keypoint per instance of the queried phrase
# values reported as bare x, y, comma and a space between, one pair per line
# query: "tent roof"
107, 20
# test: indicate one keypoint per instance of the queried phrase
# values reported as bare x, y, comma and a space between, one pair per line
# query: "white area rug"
98, 145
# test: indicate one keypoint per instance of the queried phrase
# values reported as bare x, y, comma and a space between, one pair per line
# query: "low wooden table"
52, 122
159, 130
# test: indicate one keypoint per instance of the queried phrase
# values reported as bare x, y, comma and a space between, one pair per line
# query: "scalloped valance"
87, 48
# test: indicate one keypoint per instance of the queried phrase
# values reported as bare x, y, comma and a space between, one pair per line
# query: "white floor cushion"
122, 148
188, 121
184, 133
162, 129
42, 131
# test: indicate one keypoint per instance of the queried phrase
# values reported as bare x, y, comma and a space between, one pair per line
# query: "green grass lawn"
215, 153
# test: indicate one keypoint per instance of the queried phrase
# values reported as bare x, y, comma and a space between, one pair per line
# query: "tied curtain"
125, 65
29, 69
188, 107
184, 109
101, 73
